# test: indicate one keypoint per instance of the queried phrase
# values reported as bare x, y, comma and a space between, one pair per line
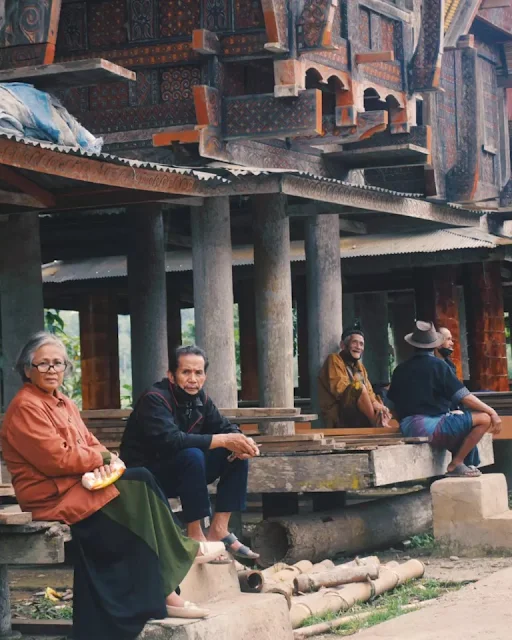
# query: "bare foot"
214, 535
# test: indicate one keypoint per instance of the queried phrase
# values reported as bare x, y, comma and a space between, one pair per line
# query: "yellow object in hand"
92, 483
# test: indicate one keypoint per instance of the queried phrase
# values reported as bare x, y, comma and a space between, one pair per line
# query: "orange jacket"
47, 449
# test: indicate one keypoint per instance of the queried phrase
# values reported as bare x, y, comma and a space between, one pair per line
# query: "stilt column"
274, 320
323, 267
147, 294
486, 328
213, 297
21, 291
99, 351
437, 301
300, 294
173, 318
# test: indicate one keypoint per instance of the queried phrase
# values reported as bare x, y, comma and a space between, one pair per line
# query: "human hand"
240, 445
495, 424
102, 473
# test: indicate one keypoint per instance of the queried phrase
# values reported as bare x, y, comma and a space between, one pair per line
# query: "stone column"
21, 291
323, 268
147, 296
373, 312
437, 301
486, 328
99, 350
248, 344
274, 320
213, 297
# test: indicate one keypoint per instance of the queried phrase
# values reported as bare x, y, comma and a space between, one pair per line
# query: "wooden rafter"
96, 199
17, 199
40, 198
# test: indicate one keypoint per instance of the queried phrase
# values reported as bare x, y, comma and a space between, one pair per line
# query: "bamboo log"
331, 600
322, 566
381, 523
325, 627
282, 588
308, 582
270, 571
250, 581
289, 573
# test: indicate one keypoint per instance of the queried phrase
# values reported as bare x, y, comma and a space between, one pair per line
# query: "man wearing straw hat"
423, 390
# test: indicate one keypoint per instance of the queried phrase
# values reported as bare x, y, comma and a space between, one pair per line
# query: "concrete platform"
244, 617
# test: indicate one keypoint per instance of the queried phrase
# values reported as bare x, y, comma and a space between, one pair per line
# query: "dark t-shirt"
425, 385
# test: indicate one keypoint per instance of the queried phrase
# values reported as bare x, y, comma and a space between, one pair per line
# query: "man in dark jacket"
177, 432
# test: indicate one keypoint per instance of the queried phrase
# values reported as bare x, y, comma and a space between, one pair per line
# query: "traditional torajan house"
371, 130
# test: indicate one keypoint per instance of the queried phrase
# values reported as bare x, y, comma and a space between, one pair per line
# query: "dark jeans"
187, 473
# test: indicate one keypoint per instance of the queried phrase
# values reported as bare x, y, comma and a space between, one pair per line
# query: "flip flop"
213, 553
189, 610
242, 552
462, 471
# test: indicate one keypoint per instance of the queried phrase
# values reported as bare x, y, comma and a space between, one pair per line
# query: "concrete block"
207, 582
246, 616
469, 499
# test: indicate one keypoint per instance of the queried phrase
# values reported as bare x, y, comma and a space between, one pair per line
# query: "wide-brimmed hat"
425, 336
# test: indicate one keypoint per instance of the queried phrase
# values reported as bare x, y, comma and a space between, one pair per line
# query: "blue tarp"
31, 113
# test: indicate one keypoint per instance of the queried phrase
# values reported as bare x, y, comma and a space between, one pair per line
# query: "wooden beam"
39, 196
182, 134
91, 199
352, 226
375, 201
375, 56
312, 209
494, 4
205, 42
98, 171
17, 199
62, 75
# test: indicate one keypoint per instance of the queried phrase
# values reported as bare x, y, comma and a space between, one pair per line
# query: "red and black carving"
106, 23
216, 15
142, 19
425, 67
313, 23
248, 14
72, 34
179, 17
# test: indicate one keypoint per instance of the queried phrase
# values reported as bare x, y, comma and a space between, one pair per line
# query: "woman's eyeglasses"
44, 367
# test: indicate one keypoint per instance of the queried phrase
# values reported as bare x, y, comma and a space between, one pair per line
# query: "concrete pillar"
274, 319
373, 312
147, 296
323, 268
213, 297
5, 607
99, 351
299, 289
21, 292
486, 327
437, 301
248, 343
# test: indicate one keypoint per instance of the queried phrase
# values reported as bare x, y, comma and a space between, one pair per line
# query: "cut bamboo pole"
282, 588
308, 582
330, 600
325, 627
250, 581
322, 566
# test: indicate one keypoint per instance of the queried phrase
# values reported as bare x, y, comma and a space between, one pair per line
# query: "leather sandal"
242, 552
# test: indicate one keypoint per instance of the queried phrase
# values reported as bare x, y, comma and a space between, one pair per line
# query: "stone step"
206, 582
243, 617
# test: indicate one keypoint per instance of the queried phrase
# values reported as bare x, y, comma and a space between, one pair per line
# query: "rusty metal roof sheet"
350, 247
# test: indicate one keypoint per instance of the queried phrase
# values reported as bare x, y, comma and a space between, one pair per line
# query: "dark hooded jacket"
165, 420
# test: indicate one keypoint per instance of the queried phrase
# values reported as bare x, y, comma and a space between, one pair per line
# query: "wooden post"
147, 294
273, 288
173, 318
21, 292
402, 315
486, 327
301, 304
99, 351
323, 267
213, 296
248, 345
437, 301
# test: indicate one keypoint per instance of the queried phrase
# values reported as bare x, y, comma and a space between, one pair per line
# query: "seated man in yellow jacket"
345, 393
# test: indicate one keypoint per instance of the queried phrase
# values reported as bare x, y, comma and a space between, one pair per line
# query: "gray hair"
35, 342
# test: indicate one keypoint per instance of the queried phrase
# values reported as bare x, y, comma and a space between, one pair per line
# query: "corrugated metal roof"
351, 247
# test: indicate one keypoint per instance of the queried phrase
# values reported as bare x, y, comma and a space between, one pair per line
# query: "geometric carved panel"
106, 23
248, 14
142, 19
179, 17
72, 34
216, 15
177, 89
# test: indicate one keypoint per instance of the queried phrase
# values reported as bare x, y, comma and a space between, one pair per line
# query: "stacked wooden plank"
314, 442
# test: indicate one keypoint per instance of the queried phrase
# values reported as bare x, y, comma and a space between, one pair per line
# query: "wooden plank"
63, 75
6, 490
375, 56
403, 464
102, 414
31, 627
12, 514
353, 432
254, 412
41, 198
311, 473
282, 418
296, 438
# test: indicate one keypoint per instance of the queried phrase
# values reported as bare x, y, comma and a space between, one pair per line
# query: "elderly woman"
130, 556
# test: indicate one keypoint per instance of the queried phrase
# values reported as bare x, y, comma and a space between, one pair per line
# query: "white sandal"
213, 553
189, 610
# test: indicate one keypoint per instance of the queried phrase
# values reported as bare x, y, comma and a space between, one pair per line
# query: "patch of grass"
43, 610
423, 541
387, 606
